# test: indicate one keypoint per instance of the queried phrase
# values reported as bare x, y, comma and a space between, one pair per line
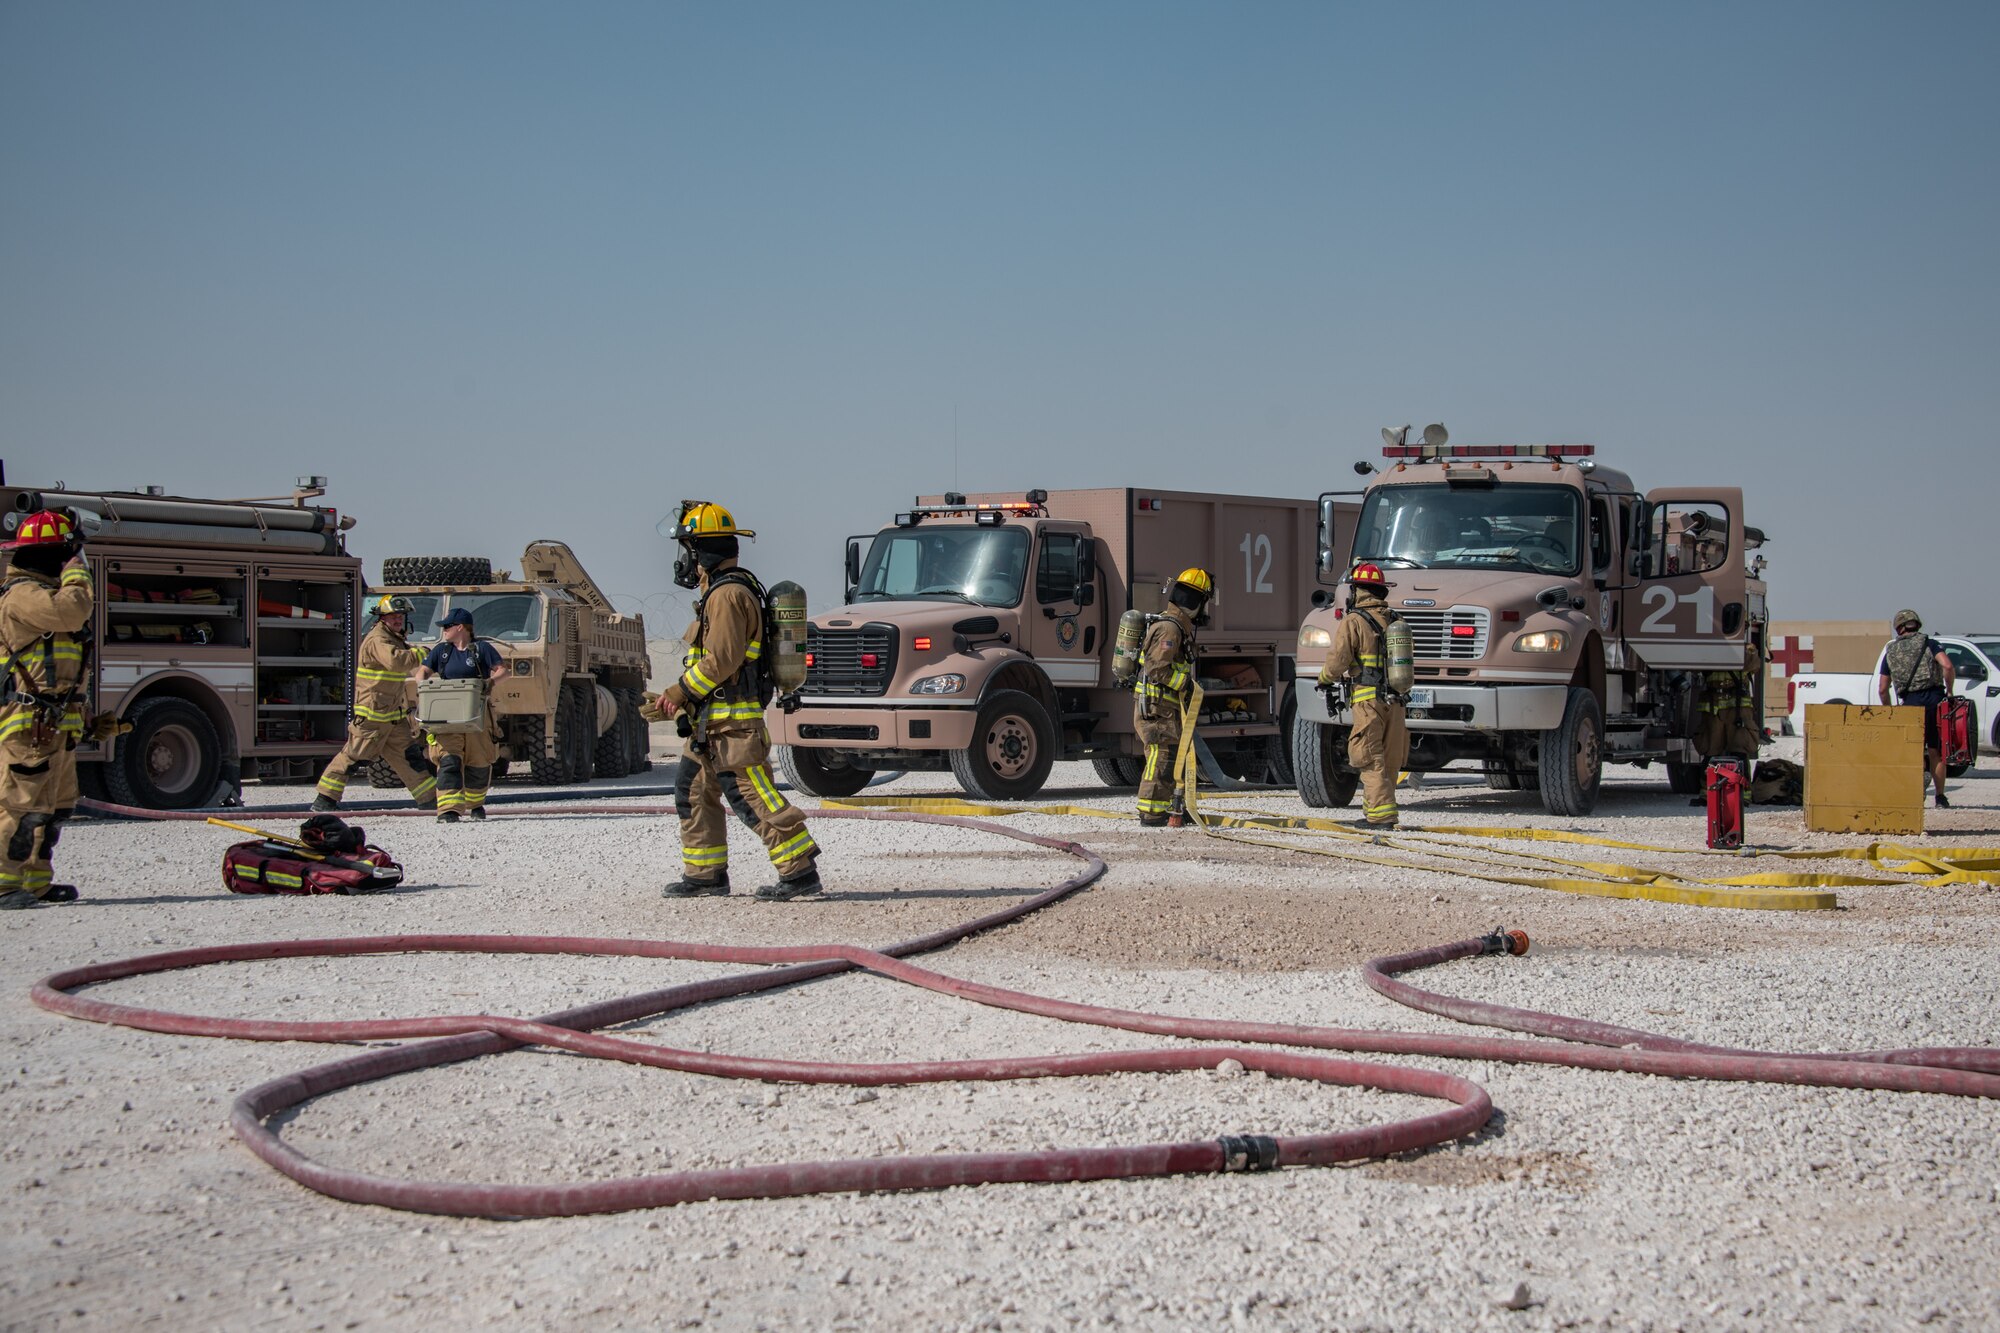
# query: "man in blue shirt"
464, 759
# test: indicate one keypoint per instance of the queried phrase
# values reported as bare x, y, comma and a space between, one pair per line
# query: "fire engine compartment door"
1064, 636
1685, 608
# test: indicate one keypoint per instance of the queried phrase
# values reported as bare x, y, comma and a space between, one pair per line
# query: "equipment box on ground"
446, 706
1864, 769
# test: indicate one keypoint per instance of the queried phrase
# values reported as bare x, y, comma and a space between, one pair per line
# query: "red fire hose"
1964, 1072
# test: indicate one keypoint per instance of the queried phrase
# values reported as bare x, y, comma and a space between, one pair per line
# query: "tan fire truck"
224, 633
1561, 618
569, 708
978, 633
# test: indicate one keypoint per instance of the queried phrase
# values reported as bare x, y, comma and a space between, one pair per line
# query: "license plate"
1424, 698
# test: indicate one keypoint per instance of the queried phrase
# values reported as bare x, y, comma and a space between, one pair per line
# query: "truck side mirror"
1321, 599
1085, 594
1086, 563
851, 564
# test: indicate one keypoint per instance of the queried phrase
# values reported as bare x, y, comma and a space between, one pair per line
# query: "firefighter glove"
106, 725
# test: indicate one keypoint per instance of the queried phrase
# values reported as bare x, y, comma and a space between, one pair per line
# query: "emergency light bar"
1489, 451
987, 515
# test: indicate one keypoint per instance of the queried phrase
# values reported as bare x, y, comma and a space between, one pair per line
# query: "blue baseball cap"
458, 616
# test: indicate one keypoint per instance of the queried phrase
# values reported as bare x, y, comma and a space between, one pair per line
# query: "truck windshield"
511, 617
980, 565
1513, 526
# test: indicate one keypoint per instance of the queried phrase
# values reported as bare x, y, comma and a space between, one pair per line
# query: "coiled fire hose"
450, 1039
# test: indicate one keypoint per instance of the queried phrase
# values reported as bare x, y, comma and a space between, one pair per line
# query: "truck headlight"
524, 667
1541, 641
946, 684
1312, 636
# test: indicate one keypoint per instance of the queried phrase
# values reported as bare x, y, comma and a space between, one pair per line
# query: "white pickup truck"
1975, 659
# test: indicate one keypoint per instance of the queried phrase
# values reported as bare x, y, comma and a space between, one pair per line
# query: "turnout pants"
395, 743
1378, 745
464, 762
1162, 738
736, 767
37, 793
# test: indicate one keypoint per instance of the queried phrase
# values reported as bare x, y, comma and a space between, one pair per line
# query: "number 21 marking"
1703, 601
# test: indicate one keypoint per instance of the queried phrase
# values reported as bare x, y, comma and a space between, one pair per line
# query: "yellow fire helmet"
705, 518
390, 604
1197, 579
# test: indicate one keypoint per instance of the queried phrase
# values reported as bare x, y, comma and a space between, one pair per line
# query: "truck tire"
576, 729
170, 760
1287, 771
637, 731
1572, 757
1324, 781
543, 768
416, 571
381, 776
1500, 775
1013, 747
1686, 779
613, 757
809, 770
1115, 770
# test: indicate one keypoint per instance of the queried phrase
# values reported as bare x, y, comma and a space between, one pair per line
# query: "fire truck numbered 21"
1562, 619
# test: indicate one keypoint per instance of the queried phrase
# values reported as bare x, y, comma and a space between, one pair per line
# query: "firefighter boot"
447, 816
476, 812
797, 886
698, 888
60, 893
15, 899
323, 803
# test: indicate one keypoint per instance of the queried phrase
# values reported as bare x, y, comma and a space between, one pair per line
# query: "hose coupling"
1503, 940
1249, 1152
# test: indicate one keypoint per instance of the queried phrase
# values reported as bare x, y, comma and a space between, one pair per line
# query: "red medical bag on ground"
274, 867
1955, 731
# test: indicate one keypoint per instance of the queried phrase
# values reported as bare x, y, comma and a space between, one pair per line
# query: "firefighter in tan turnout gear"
45, 609
1378, 742
719, 704
1166, 675
382, 727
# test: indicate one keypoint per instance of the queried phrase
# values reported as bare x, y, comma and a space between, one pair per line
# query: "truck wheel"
380, 775
821, 773
1283, 761
171, 759
415, 571
1686, 779
1013, 747
1324, 781
542, 768
613, 758
576, 729
1572, 757
638, 732
1115, 770
1500, 775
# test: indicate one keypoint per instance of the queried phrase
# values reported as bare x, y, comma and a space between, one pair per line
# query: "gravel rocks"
1600, 1201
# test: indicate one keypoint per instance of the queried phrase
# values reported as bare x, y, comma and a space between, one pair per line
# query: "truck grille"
836, 660
1432, 637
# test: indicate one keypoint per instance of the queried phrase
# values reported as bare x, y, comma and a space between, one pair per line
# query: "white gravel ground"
1592, 1200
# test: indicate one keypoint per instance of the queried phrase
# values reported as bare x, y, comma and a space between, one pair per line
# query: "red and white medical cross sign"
1793, 654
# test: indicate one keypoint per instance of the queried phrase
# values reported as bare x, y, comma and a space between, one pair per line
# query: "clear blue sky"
509, 270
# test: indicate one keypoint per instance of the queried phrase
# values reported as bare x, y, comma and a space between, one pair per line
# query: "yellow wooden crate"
1864, 769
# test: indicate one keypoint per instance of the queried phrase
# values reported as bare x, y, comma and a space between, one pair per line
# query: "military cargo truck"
978, 633
1562, 619
569, 709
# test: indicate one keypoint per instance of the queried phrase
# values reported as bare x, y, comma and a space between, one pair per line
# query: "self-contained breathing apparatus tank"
785, 608
1399, 656
1128, 652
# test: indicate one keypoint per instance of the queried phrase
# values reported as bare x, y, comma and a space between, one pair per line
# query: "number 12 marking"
1254, 575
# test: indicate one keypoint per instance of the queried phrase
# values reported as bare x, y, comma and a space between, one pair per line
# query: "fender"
177, 683
1015, 670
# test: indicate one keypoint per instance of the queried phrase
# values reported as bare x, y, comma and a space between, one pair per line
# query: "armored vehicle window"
1060, 568
511, 617
424, 617
981, 565
1516, 526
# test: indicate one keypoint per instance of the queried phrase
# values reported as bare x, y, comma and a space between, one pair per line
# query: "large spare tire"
417, 571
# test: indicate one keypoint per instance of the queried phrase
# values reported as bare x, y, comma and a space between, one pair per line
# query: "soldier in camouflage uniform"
1922, 674
719, 700
1166, 676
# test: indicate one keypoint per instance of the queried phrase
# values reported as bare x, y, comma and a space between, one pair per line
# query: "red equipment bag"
1955, 731
273, 867
1725, 803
